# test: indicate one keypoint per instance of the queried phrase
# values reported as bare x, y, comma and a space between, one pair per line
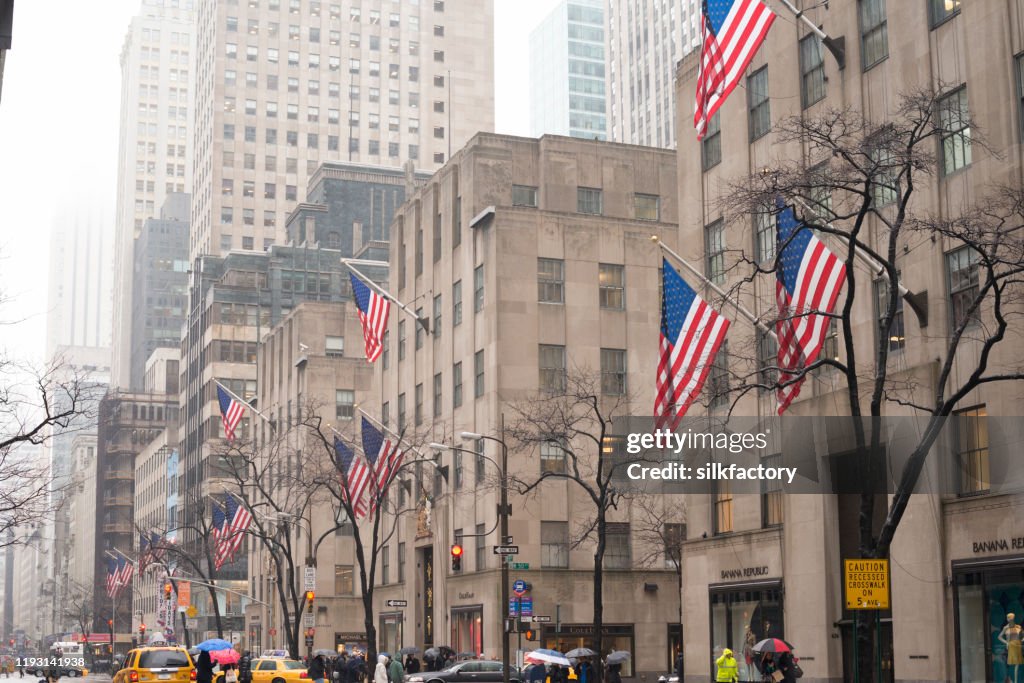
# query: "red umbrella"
225, 656
776, 645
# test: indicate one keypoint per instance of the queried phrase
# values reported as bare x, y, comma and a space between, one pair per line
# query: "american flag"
112, 573
156, 552
691, 332
218, 527
356, 475
231, 412
733, 31
807, 283
127, 570
237, 519
373, 314
383, 457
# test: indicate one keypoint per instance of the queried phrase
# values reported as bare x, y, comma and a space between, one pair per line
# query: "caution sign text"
867, 584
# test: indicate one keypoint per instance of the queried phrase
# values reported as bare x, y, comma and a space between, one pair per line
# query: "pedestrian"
204, 668
412, 665
585, 671
679, 665
230, 673
538, 673
614, 673
727, 668
769, 668
380, 672
356, 668
317, 669
789, 667
245, 668
341, 669
396, 672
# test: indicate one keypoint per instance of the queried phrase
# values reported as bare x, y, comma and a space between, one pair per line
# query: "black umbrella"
432, 653
409, 651
617, 657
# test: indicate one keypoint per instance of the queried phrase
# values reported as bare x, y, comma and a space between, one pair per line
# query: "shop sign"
867, 584
468, 595
998, 545
743, 573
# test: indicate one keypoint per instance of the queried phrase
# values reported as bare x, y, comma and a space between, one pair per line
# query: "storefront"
389, 632
985, 593
468, 629
571, 636
350, 642
742, 614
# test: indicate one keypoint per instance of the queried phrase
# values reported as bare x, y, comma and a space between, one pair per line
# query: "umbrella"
548, 656
580, 652
408, 651
225, 656
324, 653
432, 653
214, 644
772, 645
617, 657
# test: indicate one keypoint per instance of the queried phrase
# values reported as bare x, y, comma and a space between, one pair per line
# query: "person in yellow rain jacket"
728, 671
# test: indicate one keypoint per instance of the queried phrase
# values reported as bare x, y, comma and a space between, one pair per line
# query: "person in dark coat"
614, 673
538, 673
787, 665
679, 664
356, 668
317, 670
204, 668
412, 665
245, 668
585, 671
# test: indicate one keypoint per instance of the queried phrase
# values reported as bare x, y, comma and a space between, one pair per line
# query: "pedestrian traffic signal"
167, 590
309, 601
110, 624
456, 557
142, 631
531, 634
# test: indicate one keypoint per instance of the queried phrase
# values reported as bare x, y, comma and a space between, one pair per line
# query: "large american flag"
373, 314
733, 31
237, 519
691, 332
218, 526
383, 456
231, 412
807, 283
112, 573
355, 476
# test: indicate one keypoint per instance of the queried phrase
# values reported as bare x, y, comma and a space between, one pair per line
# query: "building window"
344, 404
418, 341
550, 280
617, 553
718, 379
971, 428
1019, 63
437, 316
524, 195
438, 380
613, 372
714, 252
812, 71
711, 145
874, 33
962, 275
457, 303
458, 471
401, 340
830, 346
343, 579
885, 176
478, 374
554, 544
481, 547
611, 286
764, 237
334, 346
385, 565
589, 200
955, 120
674, 534
767, 359
647, 207
478, 288
896, 334
722, 507
552, 367
418, 411
552, 458
758, 103
401, 412
941, 10
457, 385
771, 494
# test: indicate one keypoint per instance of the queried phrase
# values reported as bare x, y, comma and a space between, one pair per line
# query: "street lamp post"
503, 515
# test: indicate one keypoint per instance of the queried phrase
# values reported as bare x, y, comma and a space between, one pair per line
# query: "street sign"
191, 623
519, 587
520, 607
541, 619
506, 550
309, 641
867, 584
308, 620
191, 611
396, 603
309, 579
520, 565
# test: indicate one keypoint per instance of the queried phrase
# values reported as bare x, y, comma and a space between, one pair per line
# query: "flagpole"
423, 321
245, 403
837, 46
737, 305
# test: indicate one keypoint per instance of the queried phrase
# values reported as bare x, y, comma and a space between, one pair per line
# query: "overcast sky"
59, 126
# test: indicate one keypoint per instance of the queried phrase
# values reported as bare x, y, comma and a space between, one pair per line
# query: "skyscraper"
153, 155
283, 85
567, 72
645, 41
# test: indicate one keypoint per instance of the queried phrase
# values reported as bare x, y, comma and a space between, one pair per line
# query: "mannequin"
1011, 636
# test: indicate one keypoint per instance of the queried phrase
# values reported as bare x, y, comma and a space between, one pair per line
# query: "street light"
503, 514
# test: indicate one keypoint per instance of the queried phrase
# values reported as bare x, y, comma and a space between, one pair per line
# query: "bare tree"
856, 185
79, 609
577, 418
661, 530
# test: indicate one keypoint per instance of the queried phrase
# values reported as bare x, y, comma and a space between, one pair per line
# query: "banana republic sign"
743, 573
997, 545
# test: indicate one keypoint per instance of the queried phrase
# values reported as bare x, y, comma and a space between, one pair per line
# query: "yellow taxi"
156, 665
276, 670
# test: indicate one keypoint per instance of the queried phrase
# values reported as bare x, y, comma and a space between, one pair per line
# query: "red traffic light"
167, 590
110, 623
309, 596
456, 550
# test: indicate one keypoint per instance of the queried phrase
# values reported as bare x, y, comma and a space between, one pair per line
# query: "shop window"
740, 617
571, 636
467, 629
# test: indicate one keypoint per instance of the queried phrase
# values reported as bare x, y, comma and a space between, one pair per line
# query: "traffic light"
531, 634
142, 633
167, 590
456, 557
110, 624
309, 601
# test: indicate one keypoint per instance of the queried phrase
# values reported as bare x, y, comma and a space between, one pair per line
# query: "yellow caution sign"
867, 584
191, 612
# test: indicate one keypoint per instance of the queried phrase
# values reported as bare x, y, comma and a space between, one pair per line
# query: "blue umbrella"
214, 644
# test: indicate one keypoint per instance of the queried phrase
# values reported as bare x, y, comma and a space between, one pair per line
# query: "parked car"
275, 670
157, 665
477, 671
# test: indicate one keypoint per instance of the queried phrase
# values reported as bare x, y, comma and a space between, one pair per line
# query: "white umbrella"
548, 657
